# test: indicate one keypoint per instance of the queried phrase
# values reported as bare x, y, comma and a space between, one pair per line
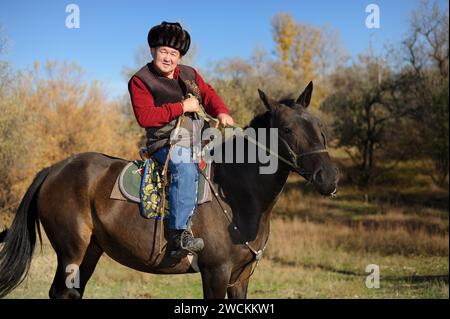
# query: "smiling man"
159, 96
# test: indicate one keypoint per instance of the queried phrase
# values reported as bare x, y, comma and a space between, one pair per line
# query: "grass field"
318, 248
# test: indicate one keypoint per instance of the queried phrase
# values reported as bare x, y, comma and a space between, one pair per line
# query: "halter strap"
257, 254
295, 157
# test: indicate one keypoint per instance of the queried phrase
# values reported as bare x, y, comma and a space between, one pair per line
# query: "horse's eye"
287, 130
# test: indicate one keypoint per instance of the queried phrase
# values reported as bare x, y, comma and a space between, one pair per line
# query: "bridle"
292, 163
257, 254
294, 157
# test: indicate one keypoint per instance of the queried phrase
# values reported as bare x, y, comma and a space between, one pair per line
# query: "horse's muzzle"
326, 180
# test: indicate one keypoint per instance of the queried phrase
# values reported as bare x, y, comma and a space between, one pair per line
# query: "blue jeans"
183, 188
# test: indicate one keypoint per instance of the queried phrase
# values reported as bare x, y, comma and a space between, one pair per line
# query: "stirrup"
179, 253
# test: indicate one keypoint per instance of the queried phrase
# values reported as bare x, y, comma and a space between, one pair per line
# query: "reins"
294, 157
257, 254
292, 163
164, 184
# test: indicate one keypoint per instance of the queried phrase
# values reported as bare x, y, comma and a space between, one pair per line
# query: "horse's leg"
215, 281
62, 286
93, 254
240, 284
70, 249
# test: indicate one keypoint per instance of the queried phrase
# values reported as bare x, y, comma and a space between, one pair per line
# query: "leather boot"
189, 243
182, 242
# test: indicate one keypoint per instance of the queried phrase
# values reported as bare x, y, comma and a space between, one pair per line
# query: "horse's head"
302, 141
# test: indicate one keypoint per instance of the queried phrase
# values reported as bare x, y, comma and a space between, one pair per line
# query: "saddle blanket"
131, 186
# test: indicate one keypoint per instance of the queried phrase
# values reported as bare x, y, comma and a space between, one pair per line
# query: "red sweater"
150, 115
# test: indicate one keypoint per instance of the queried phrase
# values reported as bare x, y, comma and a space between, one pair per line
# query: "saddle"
141, 182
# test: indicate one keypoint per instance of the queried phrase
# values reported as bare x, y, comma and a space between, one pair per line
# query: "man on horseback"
159, 95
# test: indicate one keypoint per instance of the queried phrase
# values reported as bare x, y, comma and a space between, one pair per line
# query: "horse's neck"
250, 193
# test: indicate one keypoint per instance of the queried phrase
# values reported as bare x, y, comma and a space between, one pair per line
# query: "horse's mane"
288, 102
263, 119
260, 120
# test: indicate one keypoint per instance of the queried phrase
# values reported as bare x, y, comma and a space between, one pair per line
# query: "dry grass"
318, 248
354, 225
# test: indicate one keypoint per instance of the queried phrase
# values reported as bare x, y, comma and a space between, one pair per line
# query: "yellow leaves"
306, 53
285, 31
74, 116
306, 49
298, 46
52, 113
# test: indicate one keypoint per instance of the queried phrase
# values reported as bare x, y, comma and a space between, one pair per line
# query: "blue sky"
111, 31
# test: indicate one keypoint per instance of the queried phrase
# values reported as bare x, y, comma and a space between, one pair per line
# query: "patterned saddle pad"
147, 192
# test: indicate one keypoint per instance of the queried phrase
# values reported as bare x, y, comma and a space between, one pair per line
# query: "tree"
363, 113
51, 113
397, 112
284, 33
427, 52
237, 80
306, 53
5, 68
14, 143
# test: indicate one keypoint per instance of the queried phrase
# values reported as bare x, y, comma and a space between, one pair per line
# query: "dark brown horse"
71, 199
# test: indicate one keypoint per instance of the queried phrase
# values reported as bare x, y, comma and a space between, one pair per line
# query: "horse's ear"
270, 104
305, 97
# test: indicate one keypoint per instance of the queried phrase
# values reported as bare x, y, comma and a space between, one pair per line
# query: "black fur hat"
170, 35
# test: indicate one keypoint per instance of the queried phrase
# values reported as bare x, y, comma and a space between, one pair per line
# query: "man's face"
165, 59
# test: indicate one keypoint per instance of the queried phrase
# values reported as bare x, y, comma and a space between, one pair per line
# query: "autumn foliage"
50, 113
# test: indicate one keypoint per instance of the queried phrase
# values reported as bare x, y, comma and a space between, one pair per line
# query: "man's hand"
191, 105
225, 120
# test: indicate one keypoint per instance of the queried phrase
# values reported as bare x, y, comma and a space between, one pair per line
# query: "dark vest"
165, 90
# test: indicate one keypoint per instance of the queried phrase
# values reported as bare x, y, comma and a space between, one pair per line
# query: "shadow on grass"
417, 278
291, 263
334, 215
410, 278
417, 199
381, 196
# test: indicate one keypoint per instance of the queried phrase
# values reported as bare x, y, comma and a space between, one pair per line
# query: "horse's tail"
20, 239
